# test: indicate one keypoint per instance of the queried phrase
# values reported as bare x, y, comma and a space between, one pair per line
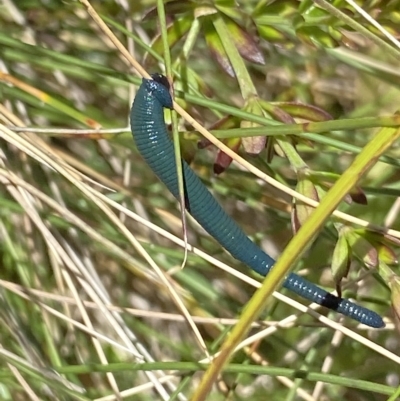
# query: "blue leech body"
152, 140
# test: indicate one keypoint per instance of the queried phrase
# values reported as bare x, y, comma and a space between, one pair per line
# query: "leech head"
159, 87
161, 79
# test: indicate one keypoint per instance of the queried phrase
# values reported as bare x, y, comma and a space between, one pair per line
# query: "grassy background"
85, 225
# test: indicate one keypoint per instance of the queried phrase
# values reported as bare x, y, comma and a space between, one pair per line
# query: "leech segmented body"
152, 140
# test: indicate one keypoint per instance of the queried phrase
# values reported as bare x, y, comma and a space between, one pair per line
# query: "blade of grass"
184, 367
358, 27
178, 162
373, 22
247, 87
315, 127
175, 132
45, 98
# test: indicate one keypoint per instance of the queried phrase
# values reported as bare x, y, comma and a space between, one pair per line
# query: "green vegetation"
94, 304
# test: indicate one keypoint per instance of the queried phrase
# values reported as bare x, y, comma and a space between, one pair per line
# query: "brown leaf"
253, 145
246, 45
216, 48
223, 161
305, 111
